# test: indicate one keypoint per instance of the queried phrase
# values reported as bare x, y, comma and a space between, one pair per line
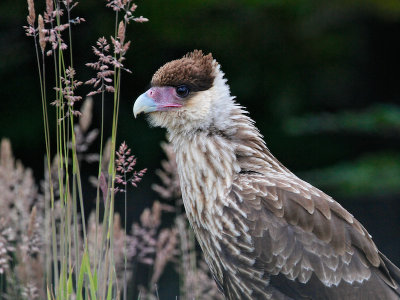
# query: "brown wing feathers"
301, 232
315, 212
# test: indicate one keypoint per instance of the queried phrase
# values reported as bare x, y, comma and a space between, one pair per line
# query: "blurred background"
320, 78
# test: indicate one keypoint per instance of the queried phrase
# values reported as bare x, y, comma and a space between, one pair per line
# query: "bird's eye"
182, 91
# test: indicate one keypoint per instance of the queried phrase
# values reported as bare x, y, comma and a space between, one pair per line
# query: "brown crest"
194, 70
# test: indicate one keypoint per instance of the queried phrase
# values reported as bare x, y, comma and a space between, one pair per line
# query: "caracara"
265, 233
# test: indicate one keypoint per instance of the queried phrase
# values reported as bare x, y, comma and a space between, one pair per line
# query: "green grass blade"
81, 277
92, 285
70, 289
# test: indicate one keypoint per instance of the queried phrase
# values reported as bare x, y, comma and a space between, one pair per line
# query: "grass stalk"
125, 249
99, 173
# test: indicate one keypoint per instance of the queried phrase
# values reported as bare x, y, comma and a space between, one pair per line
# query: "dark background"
320, 78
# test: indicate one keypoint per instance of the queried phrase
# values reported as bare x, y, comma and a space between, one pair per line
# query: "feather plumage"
266, 234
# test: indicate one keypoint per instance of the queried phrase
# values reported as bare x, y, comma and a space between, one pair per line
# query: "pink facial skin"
165, 98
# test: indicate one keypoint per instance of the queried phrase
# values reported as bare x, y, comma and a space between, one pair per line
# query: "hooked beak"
144, 104
157, 99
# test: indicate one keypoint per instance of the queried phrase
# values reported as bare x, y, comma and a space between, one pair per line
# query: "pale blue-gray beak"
144, 104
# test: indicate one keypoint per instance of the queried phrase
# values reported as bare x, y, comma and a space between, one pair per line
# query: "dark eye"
182, 91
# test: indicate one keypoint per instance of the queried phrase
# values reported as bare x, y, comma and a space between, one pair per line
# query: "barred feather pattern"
256, 221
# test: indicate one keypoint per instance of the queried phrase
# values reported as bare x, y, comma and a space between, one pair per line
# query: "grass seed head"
42, 37
32, 16
121, 32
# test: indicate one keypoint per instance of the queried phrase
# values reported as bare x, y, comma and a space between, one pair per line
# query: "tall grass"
71, 270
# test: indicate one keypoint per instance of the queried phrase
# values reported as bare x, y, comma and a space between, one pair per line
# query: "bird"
265, 233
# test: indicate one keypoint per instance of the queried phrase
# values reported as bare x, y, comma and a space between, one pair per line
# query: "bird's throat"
206, 166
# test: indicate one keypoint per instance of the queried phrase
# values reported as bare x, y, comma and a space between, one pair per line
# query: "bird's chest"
205, 169
203, 186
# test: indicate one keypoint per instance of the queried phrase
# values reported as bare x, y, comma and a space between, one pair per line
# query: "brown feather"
194, 70
266, 234
323, 228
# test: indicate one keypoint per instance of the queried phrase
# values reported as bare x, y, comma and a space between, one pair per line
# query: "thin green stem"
69, 34
99, 172
125, 250
76, 232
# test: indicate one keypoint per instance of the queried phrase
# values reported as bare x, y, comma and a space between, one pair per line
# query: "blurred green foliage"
376, 174
373, 175
380, 119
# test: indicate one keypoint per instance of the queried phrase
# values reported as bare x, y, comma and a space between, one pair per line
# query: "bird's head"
186, 95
